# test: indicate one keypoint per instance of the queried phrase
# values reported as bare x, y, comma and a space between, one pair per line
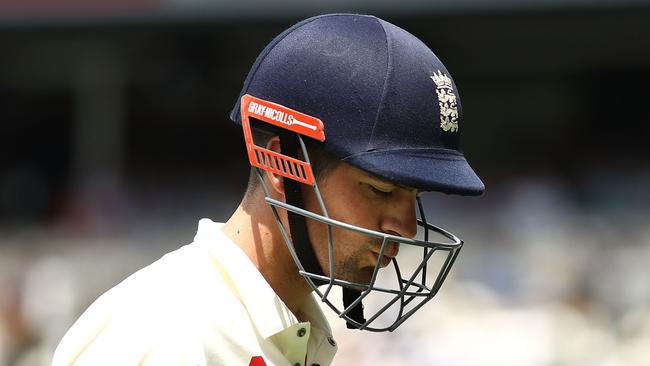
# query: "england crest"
447, 102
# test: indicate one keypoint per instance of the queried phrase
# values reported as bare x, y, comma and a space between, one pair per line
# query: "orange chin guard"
283, 117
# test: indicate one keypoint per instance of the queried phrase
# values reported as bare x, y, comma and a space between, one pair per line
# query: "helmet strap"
356, 313
297, 225
300, 238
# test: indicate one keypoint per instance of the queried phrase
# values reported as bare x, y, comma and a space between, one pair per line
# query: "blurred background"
115, 140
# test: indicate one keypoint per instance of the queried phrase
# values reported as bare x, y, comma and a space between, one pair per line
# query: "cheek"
346, 243
352, 207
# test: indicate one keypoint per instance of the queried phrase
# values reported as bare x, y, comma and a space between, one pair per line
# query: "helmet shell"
388, 104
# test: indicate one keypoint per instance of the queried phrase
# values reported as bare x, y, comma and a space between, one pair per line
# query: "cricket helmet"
377, 98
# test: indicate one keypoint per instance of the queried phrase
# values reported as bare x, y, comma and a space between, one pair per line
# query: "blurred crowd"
552, 273
116, 141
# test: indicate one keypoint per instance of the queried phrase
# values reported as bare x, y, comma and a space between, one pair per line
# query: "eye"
381, 192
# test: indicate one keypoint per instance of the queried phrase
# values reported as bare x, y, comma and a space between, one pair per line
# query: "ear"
275, 181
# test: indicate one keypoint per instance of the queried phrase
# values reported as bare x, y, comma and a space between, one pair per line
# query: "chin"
363, 276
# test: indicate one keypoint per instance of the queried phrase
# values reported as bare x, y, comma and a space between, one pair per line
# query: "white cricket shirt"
203, 304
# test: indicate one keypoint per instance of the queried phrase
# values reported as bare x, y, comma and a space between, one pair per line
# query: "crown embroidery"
447, 102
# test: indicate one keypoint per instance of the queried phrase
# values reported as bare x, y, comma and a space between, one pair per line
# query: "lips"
390, 252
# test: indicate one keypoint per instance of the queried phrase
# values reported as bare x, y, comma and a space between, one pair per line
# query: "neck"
254, 229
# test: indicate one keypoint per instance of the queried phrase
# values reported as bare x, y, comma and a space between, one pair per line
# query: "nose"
400, 219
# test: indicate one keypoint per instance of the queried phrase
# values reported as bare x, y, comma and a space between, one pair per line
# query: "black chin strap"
297, 224
356, 313
300, 237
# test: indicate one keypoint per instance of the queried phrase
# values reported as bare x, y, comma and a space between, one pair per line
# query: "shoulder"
168, 309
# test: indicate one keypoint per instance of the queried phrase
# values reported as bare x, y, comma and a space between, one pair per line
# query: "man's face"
358, 198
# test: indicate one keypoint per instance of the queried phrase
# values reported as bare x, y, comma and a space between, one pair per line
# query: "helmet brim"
440, 170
